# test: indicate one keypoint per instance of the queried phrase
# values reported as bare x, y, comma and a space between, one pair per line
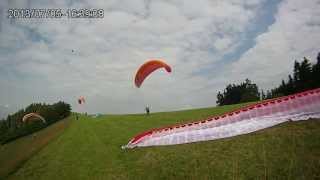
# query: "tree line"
12, 127
305, 76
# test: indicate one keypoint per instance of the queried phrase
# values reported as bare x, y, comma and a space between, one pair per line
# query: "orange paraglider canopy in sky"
81, 100
147, 68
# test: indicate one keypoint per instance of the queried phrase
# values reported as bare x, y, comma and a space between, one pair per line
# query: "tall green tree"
316, 73
305, 76
233, 93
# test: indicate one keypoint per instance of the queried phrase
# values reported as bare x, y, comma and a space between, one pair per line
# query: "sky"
208, 44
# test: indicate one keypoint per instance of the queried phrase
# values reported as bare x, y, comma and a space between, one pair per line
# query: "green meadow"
90, 148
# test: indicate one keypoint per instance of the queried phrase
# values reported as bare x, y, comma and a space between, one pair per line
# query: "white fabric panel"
300, 106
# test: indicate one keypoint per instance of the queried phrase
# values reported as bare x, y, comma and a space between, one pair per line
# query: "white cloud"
294, 34
222, 44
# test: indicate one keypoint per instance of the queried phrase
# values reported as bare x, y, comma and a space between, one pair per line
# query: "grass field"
90, 148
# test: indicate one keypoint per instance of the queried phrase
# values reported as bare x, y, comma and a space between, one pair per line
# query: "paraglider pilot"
147, 110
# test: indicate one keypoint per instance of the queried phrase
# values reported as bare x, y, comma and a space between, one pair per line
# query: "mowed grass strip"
15, 153
91, 149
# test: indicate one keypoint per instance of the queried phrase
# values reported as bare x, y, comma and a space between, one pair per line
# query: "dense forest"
305, 76
12, 127
244, 92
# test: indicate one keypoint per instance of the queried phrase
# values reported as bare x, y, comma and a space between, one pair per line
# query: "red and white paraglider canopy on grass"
300, 106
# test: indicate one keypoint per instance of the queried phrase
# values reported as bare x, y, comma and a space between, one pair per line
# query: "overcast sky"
208, 43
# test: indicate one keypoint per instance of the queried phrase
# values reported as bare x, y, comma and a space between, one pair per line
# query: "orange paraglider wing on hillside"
147, 68
33, 116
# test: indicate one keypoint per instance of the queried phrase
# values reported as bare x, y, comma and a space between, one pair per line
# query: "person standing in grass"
147, 110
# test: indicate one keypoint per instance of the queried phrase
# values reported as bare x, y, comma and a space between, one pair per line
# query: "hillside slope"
15, 153
90, 149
